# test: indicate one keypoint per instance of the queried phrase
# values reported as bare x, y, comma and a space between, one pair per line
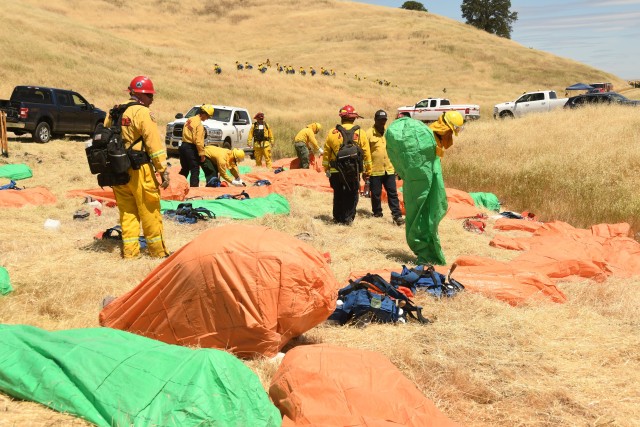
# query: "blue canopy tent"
580, 86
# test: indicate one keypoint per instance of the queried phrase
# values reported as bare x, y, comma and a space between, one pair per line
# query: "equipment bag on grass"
187, 214
372, 298
428, 279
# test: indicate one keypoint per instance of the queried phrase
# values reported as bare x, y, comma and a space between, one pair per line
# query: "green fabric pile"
275, 204
412, 150
5, 283
110, 377
16, 172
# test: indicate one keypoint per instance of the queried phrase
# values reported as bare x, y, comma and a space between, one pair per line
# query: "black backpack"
349, 158
107, 155
259, 134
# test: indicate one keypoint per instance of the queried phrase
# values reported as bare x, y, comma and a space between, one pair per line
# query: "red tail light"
466, 111
24, 112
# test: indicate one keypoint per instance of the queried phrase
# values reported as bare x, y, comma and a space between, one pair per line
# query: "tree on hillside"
413, 5
493, 16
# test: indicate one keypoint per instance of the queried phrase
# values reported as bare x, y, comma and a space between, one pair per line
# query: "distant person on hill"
217, 69
239, 66
305, 141
344, 176
138, 198
448, 124
261, 136
191, 150
216, 162
382, 172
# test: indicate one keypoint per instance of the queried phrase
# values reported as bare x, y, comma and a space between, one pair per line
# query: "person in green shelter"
411, 147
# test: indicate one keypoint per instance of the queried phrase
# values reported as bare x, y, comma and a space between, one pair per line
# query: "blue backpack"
262, 182
428, 279
10, 186
372, 299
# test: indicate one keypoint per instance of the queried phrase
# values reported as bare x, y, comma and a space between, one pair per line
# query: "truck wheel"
506, 115
227, 144
42, 133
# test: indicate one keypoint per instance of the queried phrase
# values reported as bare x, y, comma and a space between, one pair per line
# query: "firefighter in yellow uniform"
218, 160
345, 180
448, 124
139, 200
305, 142
261, 136
192, 148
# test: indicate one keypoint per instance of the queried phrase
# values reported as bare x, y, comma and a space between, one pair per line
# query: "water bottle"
367, 191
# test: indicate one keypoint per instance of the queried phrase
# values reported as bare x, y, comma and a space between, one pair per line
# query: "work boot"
378, 215
398, 220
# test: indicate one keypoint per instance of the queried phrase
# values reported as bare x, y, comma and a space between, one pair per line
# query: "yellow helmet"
454, 120
238, 155
316, 127
207, 108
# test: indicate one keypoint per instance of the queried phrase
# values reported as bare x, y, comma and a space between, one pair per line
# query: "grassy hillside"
483, 362
97, 46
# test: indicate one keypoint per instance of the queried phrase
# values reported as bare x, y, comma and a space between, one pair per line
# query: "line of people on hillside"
349, 154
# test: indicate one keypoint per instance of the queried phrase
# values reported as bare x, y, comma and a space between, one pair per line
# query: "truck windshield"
219, 114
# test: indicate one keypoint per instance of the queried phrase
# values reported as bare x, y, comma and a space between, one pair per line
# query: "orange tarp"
461, 204
294, 163
248, 289
323, 385
29, 196
561, 251
284, 182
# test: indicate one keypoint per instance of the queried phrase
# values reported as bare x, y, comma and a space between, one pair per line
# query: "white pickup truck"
428, 110
229, 128
530, 102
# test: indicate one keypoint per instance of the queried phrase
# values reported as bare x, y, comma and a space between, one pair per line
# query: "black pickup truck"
45, 112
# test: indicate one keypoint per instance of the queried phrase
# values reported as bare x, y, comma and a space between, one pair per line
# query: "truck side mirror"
179, 116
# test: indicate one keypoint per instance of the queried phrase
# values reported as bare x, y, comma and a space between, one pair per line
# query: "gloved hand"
328, 174
237, 183
321, 151
165, 179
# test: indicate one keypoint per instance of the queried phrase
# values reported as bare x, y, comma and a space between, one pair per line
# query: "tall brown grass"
483, 363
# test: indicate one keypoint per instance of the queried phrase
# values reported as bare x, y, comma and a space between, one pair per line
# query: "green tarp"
487, 200
5, 283
114, 378
274, 203
15, 172
412, 150
241, 170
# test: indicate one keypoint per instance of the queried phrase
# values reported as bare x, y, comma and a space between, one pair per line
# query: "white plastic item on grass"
51, 224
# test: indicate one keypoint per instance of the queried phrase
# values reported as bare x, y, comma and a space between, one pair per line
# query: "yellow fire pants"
260, 151
139, 202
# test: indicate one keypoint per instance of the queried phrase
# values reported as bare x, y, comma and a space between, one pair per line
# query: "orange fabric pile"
247, 289
29, 196
324, 385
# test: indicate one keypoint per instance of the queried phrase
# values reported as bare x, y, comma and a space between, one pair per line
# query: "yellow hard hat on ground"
207, 108
454, 120
238, 155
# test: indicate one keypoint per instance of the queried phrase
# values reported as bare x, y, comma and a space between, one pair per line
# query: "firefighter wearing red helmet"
139, 200
344, 178
262, 138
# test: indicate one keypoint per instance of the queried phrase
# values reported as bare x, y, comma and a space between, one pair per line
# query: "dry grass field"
483, 362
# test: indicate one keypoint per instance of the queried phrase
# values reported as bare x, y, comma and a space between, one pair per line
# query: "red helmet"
349, 112
259, 116
141, 84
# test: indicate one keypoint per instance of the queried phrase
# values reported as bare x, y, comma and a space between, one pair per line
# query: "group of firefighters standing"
139, 200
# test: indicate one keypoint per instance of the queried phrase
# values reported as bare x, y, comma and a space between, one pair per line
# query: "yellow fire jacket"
380, 163
137, 122
224, 160
268, 135
443, 134
193, 133
308, 136
333, 143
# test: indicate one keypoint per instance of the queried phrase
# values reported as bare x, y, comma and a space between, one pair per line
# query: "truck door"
538, 103
523, 106
82, 120
242, 124
65, 112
